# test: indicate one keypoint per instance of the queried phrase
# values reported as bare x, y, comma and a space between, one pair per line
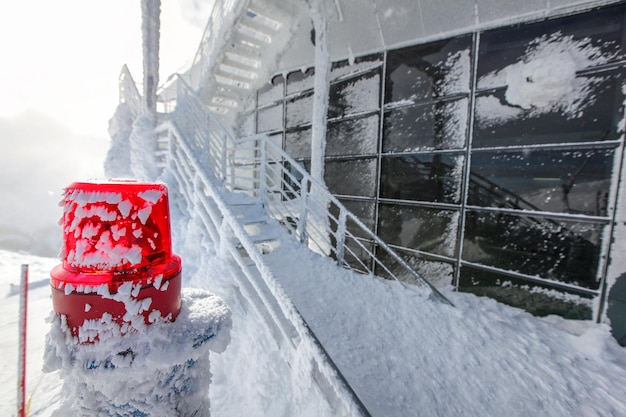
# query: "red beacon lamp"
118, 271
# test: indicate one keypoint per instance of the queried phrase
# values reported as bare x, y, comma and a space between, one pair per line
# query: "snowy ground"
400, 352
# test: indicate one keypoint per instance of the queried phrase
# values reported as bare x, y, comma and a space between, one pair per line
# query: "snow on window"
544, 80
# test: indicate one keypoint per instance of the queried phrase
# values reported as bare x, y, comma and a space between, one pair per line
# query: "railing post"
224, 157
341, 236
304, 208
263, 171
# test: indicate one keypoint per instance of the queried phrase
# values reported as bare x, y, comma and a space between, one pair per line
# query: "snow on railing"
129, 93
201, 192
261, 169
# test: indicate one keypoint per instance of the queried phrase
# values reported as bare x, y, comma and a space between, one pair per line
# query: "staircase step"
262, 20
261, 231
245, 60
232, 82
254, 34
237, 71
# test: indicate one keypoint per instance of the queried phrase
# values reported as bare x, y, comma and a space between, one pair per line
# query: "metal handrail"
289, 194
128, 92
205, 199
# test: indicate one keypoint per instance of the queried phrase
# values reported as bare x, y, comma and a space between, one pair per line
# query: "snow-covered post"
340, 236
304, 208
150, 27
21, 383
127, 339
321, 86
321, 89
263, 170
143, 137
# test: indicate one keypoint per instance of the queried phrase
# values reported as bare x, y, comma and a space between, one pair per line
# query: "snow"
543, 80
399, 351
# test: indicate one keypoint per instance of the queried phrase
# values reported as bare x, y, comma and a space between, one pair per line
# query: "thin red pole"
21, 383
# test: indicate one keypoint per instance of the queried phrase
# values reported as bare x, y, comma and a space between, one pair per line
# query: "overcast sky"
63, 56
58, 89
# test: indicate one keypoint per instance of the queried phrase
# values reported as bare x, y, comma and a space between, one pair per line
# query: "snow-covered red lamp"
118, 267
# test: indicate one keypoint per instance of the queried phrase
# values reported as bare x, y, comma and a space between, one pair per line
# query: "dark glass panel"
429, 71
298, 143
565, 181
358, 254
437, 125
418, 228
271, 92
294, 178
270, 118
563, 251
602, 32
351, 177
436, 273
433, 177
298, 81
590, 115
538, 299
364, 211
299, 110
353, 137
355, 95
360, 64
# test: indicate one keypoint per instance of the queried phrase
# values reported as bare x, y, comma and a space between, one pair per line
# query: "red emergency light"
117, 257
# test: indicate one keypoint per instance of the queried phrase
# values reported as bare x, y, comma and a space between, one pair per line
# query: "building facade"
483, 142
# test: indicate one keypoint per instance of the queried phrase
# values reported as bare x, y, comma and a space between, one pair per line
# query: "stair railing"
260, 168
203, 196
129, 93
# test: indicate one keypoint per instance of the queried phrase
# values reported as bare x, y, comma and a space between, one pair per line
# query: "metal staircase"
239, 42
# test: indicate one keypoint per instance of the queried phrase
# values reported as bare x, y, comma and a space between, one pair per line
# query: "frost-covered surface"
107, 230
543, 80
400, 352
141, 372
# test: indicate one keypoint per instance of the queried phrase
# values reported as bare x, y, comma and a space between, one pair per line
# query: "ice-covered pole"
321, 84
21, 384
321, 88
150, 28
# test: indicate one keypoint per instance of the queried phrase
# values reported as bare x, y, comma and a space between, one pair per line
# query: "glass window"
298, 143
564, 181
299, 81
299, 110
353, 137
364, 211
584, 41
419, 228
436, 273
351, 177
436, 125
432, 177
345, 68
358, 254
537, 117
356, 95
548, 82
270, 118
564, 251
533, 297
429, 71
272, 92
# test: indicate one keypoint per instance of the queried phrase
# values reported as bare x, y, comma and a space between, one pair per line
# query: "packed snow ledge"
402, 354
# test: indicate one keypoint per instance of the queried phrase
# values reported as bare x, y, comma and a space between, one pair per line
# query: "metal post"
304, 205
263, 172
21, 384
341, 236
